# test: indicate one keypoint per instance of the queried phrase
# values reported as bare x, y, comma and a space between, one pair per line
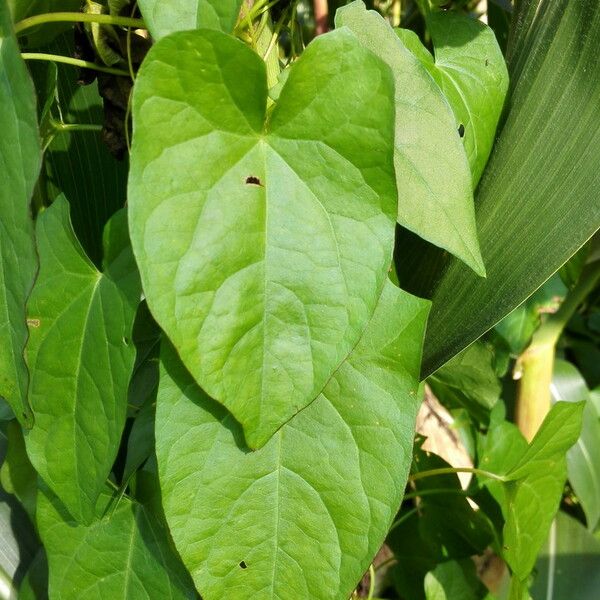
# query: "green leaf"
35, 583
17, 475
80, 360
568, 564
124, 553
264, 252
140, 445
166, 16
470, 70
583, 459
536, 204
535, 477
303, 516
469, 381
20, 159
41, 34
434, 188
75, 157
455, 580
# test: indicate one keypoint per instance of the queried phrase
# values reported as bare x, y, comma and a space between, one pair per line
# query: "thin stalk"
75, 62
535, 366
76, 17
396, 13
69, 127
405, 517
434, 492
371, 582
449, 470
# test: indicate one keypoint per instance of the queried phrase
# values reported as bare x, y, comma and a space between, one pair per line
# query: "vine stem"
75, 62
76, 17
449, 470
536, 365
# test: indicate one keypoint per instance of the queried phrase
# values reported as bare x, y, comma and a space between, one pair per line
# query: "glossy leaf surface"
264, 251
124, 553
20, 158
435, 197
303, 516
166, 16
80, 360
537, 202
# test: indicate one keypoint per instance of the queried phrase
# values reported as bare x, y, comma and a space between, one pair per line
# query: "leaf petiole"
76, 62
76, 17
449, 470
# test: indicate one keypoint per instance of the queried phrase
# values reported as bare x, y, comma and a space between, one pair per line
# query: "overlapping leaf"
166, 16
80, 357
469, 68
303, 516
583, 459
537, 202
263, 249
435, 197
535, 477
124, 553
20, 158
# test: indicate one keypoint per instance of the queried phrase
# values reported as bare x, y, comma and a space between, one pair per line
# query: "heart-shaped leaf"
263, 248
20, 159
470, 70
435, 197
166, 16
124, 553
303, 516
80, 359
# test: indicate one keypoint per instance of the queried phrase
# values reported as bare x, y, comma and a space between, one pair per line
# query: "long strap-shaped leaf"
263, 243
303, 516
538, 201
20, 158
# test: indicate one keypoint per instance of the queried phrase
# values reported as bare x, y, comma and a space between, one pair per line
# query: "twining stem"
69, 127
76, 17
76, 62
448, 470
405, 517
434, 492
536, 365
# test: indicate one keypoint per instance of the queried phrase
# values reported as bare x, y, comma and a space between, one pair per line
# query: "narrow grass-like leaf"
303, 516
81, 358
435, 197
166, 16
20, 159
537, 202
263, 248
124, 553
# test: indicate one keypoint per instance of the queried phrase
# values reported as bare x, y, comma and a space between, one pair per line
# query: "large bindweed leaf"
535, 476
537, 201
583, 459
303, 516
20, 158
166, 16
435, 197
81, 358
124, 553
469, 68
263, 248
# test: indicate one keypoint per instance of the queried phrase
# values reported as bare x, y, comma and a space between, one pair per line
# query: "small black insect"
253, 180
461, 130
243, 565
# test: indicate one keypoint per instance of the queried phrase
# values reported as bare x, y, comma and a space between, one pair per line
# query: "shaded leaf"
455, 580
262, 310
435, 198
303, 516
35, 583
536, 203
80, 360
166, 16
20, 158
124, 553
583, 459
469, 381
140, 445
569, 561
